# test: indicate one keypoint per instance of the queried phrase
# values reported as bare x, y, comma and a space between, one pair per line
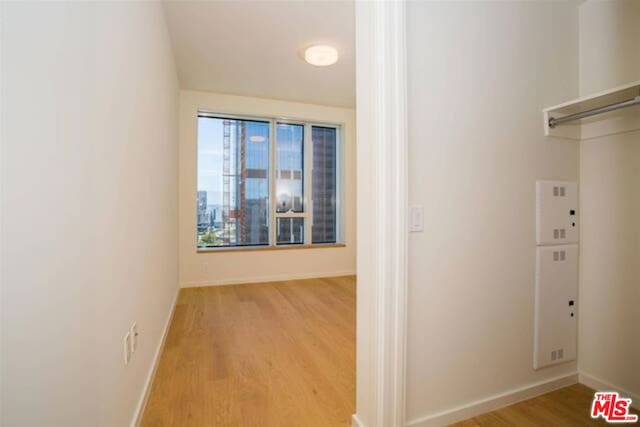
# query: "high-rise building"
257, 230
324, 185
203, 218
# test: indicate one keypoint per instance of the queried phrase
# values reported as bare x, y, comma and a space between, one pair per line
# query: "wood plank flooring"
569, 406
273, 354
283, 354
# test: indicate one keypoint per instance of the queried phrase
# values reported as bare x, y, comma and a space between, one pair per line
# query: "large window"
233, 182
264, 182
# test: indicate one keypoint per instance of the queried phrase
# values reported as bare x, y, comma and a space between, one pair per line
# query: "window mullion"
308, 185
340, 177
272, 185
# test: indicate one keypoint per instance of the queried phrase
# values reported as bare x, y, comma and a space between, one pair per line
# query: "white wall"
207, 268
1, 174
609, 344
89, 207
479, 74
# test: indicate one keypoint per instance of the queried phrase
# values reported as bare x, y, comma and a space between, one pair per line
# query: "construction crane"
241, 221
226, 181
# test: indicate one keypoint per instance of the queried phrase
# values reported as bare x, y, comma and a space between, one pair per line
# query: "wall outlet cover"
127, 347
134, 337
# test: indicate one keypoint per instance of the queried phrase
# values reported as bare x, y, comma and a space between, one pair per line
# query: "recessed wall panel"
556, 212
555, 332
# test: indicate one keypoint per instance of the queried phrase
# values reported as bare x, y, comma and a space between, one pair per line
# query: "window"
264, 182
233, 182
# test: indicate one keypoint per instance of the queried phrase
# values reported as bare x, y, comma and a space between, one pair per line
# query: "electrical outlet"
127, 348
134, 337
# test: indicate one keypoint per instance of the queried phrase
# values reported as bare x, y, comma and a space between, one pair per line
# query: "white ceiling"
254, 48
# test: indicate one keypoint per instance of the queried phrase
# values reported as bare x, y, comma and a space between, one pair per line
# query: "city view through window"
233, 190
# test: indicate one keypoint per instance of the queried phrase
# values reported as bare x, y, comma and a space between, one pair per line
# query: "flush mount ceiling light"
257, 138
321, 55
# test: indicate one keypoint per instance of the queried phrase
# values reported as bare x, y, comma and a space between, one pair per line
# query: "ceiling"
255, 48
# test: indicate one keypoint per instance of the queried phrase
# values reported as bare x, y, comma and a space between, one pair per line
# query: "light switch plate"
556, 212
416, 218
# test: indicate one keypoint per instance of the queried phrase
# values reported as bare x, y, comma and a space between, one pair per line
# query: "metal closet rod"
554, 121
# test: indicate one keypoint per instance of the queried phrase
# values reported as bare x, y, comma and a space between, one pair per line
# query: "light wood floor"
569, 406
283, 354
274, 354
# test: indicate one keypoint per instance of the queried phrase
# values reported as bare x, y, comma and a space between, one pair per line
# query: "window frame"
307, 166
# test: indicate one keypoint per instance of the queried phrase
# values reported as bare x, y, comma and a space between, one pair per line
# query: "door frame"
382, 183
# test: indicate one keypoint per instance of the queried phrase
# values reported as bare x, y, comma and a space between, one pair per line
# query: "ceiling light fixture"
257, 138
321, 55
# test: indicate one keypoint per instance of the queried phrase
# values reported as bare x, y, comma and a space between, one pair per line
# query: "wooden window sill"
270, 248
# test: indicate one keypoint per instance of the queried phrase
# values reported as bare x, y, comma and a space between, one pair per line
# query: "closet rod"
554, 121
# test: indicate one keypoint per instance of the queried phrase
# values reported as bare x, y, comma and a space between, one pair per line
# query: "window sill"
271, 248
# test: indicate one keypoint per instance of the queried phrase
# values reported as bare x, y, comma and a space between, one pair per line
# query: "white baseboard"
492, 403
600, 385
142, 403
263, 279
355, 421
